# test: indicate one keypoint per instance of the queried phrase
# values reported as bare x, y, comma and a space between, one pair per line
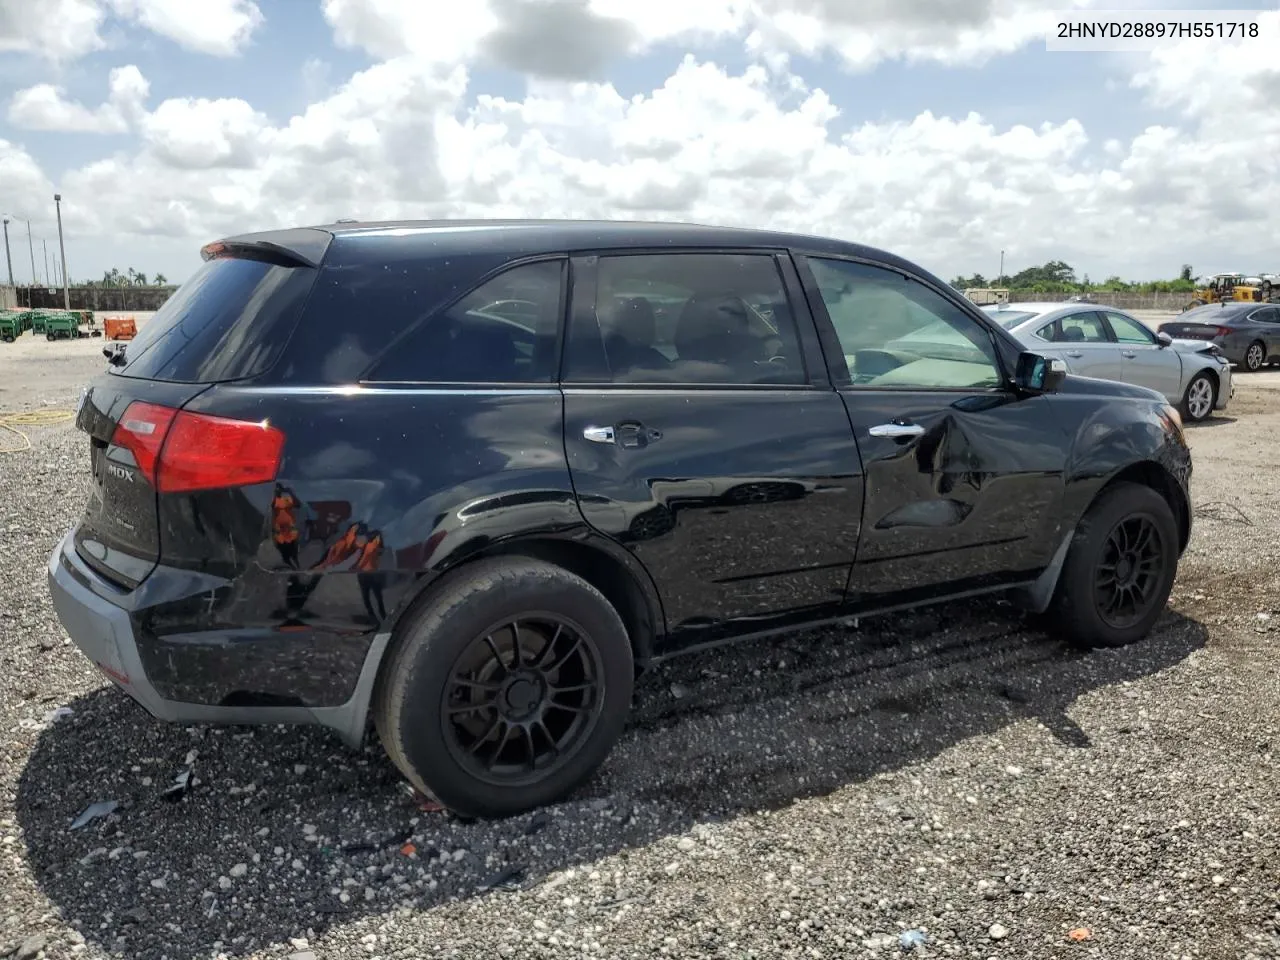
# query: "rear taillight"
1221, 331
179, 451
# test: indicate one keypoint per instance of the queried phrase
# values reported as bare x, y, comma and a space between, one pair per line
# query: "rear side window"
691, 318
228, 322
504, 331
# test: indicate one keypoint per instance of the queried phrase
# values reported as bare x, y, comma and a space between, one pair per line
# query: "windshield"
1007, 318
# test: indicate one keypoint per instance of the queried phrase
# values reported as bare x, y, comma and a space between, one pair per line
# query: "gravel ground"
950, 772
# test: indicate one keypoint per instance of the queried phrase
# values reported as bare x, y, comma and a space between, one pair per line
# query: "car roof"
1039, 308
527, 237
1230, 307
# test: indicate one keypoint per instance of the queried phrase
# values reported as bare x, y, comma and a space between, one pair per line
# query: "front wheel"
507, 689
1254, 357
1119, 570
1198, 400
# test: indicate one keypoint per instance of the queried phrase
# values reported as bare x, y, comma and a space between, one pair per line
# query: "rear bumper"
104, 632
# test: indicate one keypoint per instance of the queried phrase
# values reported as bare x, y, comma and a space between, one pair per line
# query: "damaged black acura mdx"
465, 478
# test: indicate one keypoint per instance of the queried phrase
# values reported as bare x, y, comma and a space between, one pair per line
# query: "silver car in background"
1109, 344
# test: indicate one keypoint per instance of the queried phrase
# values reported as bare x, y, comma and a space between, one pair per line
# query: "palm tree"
160, 280
140, 279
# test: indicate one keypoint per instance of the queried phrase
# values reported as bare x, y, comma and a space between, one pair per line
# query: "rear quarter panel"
437, 475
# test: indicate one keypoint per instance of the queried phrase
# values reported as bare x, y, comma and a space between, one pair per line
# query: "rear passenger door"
1267, 320
703, 433
1084, 343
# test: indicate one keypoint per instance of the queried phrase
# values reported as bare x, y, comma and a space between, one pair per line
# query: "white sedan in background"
1109, 344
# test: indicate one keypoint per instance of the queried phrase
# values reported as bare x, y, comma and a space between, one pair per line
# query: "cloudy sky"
940, 129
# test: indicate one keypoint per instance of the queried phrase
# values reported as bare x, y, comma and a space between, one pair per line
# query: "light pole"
8, 259
47, 281
1001, 273
66, 288
31, 248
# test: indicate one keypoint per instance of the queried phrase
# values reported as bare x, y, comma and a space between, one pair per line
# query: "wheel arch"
1037, 596
1149, 473
606, 566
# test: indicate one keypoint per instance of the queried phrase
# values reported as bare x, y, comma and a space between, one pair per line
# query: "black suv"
469, 477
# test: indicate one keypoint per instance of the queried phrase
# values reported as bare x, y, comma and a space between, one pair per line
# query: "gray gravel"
950, 772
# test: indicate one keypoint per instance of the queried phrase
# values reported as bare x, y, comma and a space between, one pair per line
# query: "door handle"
629, 434
1128, 356
1075, 354
897, 430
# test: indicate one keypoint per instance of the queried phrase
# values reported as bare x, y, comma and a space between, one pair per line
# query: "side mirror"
1164, 339
1037, 374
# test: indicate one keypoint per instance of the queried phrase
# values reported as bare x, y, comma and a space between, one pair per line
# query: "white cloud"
206, 134
45, 107
216, 27
754, 146
575, 39
65, 30
57, 29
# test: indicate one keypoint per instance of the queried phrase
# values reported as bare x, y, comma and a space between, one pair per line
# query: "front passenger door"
964, 478
1146, 362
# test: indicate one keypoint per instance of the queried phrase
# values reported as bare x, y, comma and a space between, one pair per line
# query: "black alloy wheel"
1119, 569
522, 699
505, 688
1129, 572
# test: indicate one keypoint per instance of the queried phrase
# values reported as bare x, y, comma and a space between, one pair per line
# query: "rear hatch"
1192, 331
229, 322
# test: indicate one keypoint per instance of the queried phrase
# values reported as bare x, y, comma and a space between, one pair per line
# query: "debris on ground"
1080, 934
103, 808
910, 939
181, 784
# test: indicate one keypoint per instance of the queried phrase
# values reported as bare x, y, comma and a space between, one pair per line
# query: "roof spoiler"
303, 247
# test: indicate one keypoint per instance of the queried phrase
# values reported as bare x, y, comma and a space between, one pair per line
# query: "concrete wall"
8, 297
1171, 302
98, 299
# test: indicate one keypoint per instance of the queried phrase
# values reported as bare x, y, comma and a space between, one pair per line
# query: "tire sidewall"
1248, 352
1123, 502
434, 641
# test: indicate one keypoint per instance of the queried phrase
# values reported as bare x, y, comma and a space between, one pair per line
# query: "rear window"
1212, 313
228, 322
1007, 318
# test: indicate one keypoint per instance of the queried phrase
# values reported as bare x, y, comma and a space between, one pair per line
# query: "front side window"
692, 318
1128, 330
896, 332
504, 331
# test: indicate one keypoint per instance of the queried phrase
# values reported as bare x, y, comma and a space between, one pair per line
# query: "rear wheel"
1198, 400
507, 689
1119, 570
1254, 356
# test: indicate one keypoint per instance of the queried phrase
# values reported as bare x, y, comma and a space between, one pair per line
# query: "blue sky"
137, 187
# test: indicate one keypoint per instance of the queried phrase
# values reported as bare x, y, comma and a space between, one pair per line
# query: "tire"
441, 754
1200, 396
1197, 302
1077, 612
1255, 356
50, 337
